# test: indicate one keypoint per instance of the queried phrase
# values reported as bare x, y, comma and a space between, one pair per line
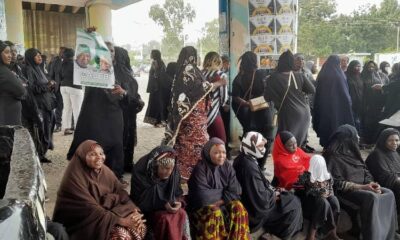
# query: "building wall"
47, 31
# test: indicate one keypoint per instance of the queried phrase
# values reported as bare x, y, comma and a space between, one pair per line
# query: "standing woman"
248, 84
332, 103
373, 102
45, 98
101, 119
132, 104
11, 90
286, 89
356, 90
219, 97
187, 121
155, 112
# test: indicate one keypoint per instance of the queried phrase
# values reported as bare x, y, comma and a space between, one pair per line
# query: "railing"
22, 214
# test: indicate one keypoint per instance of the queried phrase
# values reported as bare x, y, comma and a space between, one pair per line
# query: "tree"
210, 41
171, 17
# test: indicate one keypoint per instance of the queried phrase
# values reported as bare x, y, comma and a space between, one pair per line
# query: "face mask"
260, 152
387, 69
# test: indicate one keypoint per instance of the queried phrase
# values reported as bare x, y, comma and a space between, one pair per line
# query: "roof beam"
47, 7
75, 9
33, 6
61, 8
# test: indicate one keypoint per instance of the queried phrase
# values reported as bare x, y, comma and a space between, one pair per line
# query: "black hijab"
248, 62
123, 72
285, 62
36, 71
384, 163
188, 89
355, 86
343, 156
210, 183
150, 193
285, 136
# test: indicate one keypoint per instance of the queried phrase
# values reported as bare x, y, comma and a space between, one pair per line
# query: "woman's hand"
173, 209
372, 186
132, 220
219, 83
377, 87
118, 90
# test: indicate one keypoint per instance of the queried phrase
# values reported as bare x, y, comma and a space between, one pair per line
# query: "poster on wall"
93, 64
272, 29
3, 27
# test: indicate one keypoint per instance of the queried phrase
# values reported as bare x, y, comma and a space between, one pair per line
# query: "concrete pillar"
99, 16
14, 21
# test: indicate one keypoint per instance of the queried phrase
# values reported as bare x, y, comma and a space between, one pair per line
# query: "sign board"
93, 63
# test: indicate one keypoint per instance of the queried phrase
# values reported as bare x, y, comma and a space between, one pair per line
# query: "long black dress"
11, 93
282, 218
101, 120
384, 165
377, 211
44, 97
294, 115
332, 103
373, 103
132, 104
155, 113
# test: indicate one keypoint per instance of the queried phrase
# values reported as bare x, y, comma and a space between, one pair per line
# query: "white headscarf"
249, 144
318, 170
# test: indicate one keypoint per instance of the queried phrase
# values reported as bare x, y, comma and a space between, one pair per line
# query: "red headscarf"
288, 166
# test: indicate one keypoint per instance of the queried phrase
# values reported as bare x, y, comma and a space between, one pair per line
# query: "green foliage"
171, 16
210, 41
369, 29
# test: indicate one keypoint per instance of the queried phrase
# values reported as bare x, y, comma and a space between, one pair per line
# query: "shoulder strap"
291, 76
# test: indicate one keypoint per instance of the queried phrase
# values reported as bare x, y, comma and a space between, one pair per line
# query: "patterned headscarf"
188, 89
249, 144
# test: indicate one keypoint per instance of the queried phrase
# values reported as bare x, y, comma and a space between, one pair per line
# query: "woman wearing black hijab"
132, 103
286, 89
373, 101
101, 119
155, 113
332, 104
356, 88
11, 90
44, 96
384, 162
354, 185
248, 84
384, 68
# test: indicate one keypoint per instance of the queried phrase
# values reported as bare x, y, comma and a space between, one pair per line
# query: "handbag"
258, 103
275, 117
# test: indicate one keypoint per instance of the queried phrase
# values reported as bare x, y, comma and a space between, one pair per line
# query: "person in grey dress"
286, 89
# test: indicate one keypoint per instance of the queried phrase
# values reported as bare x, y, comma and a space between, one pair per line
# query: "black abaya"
282, 218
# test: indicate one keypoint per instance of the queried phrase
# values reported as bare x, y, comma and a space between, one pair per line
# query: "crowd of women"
224, 200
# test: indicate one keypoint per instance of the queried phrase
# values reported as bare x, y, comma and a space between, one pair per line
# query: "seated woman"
155, 187
289, 160
214, 192
319, 204
277, 212
91, 202
384, 162
353, 185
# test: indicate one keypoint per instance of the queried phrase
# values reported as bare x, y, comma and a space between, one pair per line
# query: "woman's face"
164, 172
104, 65
216, 64
38, 59
357, 68
95, 158
218, 154
392, 142
6, 56
371, 67
291, 145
